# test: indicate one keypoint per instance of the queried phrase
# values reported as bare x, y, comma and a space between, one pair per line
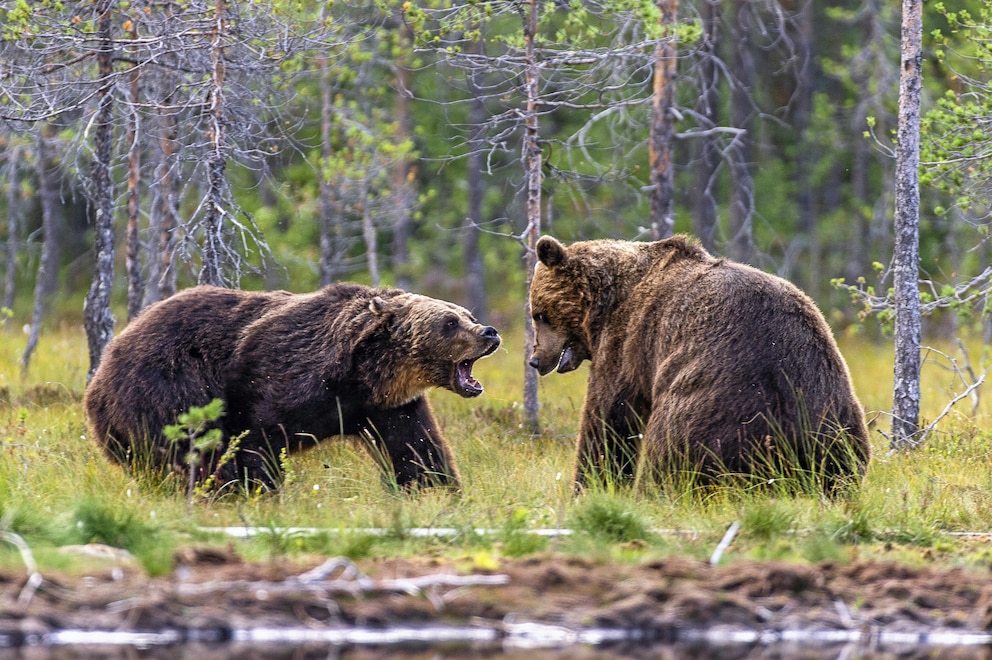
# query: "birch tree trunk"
13, 231
330, 218
97, 319
531, 158
663, 126
474, 277
369, 234
49, 261
402, 171
906, 391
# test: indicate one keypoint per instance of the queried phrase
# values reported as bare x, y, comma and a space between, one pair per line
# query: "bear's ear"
550, 252
378, 306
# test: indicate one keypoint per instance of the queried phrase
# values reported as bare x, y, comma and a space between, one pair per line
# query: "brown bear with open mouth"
699, 367
292, 369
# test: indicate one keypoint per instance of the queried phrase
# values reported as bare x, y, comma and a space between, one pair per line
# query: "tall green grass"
57, 488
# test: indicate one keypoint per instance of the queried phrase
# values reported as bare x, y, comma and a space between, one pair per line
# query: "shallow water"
506, 640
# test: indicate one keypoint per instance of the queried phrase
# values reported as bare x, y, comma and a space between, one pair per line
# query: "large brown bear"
699, 366
292, 370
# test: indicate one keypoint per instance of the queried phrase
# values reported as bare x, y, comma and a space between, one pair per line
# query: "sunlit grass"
57, 488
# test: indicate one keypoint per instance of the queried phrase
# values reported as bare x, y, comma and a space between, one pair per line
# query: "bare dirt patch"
214, 593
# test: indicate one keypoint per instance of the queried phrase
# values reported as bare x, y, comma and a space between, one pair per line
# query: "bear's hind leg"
409, 446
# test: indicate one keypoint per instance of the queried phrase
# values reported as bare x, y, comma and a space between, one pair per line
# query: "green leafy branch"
196, 428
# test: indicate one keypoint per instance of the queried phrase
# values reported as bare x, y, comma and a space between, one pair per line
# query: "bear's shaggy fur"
292, 370
699, 366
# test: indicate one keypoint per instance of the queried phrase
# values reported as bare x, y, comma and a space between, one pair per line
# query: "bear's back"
200, 324
745, 336
170, 357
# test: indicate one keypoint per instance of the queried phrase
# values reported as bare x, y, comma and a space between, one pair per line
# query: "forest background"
150, 145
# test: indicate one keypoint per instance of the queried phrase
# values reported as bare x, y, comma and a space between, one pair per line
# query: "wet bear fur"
699, 367
292, 369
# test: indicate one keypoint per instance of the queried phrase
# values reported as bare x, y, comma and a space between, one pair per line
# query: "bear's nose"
534, 362
489, 332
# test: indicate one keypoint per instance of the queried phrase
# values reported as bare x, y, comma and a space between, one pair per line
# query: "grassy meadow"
57, 489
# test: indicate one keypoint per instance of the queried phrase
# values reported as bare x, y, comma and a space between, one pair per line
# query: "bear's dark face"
558, 309
444, 341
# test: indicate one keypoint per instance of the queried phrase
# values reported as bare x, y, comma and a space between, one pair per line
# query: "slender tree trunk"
906, 392
167, 208
857, 256
369, 234
98, 320
211, 271
164, 218
161, 211
403, 170
742, 190
704, 201
135, 284
531, 157
663, 125
13, 231
48, 263
802, 113
474, 278
330, 217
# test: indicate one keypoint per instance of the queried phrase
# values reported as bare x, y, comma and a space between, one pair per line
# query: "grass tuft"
609, 519
95, 522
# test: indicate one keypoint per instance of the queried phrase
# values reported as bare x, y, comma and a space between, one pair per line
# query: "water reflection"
507, 640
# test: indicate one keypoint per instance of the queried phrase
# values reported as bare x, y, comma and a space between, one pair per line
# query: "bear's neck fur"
608, 267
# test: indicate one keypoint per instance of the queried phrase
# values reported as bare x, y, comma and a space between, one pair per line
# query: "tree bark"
809, 276
906, 391
369, 234
741, 245
49, 261
97, 319
474, 277
403, 170
13, 232
330, 215
164, 216
135, 284
531, 157
704, 202
662, 132
211, 271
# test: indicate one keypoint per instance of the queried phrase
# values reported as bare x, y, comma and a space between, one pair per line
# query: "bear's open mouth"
467, 383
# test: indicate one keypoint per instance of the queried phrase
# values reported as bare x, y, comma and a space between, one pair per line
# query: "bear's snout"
490, 334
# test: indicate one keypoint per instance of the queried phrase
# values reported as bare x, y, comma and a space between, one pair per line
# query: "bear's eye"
450, 324
541, 317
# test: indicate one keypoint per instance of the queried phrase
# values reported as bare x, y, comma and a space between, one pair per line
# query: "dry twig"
34, 577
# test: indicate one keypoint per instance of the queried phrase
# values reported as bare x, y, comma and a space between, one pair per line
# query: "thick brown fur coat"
292, 370
699, 366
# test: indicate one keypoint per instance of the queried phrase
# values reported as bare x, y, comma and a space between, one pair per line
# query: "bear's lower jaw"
569, 360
